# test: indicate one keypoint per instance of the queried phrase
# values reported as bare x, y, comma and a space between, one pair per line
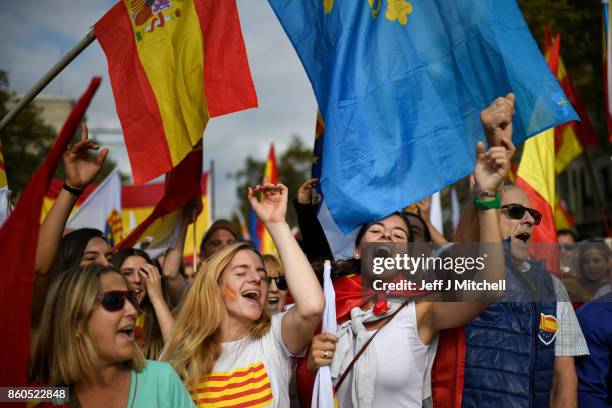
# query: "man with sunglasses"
520, 351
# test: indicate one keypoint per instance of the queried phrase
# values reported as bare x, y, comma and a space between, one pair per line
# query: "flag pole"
48, 77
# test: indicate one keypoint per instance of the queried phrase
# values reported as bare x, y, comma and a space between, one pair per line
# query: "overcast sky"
35, 34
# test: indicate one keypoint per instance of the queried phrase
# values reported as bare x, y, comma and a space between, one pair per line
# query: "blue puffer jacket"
510, 346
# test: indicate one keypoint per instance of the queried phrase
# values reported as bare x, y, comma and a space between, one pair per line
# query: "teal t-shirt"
158, 385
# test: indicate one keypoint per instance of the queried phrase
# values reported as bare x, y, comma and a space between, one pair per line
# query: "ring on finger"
326, 355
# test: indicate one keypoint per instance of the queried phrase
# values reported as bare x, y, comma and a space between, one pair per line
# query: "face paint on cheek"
230, 292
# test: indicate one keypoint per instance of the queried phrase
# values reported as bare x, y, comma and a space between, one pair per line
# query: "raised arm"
314, 241
174, 282
81, 169
299, 323
490, 172
496, 122
437, 237
153, 282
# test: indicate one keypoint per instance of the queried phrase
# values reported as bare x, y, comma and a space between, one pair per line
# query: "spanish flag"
173, 65
258, 232
571, 138
159, 230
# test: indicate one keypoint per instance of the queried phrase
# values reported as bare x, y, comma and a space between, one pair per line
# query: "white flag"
102, 209
323, 391
455, 208
435, 213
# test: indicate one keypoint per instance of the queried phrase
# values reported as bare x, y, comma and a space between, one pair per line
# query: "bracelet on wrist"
74, 191
484, 205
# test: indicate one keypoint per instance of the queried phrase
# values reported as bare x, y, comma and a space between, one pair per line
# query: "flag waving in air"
571, 138
400, 85
19, 237
258, 232
173, 65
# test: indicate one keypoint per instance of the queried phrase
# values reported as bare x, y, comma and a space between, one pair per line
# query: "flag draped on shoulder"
173, 65
19, 236
400, 85
159, 230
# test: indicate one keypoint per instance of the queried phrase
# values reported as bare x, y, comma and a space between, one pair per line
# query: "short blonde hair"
65, 349
195, 346
273, 264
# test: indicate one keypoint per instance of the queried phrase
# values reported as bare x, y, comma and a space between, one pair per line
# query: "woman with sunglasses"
277, 284
87, 343
155, 322
225, 345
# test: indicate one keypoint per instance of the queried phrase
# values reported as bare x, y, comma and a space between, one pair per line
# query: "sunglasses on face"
114, 301
567, 247
281, 282
517, 211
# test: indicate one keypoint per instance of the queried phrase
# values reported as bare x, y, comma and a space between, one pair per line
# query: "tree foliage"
294, 166
26, 141
580, 24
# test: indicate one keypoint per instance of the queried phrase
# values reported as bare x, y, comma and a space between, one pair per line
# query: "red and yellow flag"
243, 387
258, 232
3, 179
173, 65
563, 218
571, 138
137, 203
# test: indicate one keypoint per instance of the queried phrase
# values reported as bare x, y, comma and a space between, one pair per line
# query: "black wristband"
71, 190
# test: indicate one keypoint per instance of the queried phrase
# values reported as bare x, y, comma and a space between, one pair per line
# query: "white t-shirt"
400, 364
249, 373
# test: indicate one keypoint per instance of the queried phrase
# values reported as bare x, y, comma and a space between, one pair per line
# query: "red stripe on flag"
228, 85
146, 195
143, 131
240, 394
245, 404
183, 185
19, 236
251, 370
247, 381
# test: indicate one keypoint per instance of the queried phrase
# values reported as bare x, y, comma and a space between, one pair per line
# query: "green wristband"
488, 205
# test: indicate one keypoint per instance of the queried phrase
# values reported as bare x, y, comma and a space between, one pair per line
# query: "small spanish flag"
173, 65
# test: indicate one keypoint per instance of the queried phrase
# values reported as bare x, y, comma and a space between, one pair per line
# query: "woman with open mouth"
277, 284
225, 345
155, 321
86, 343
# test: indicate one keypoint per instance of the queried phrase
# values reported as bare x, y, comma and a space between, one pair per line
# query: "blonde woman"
277, 284
225, 346
86, 342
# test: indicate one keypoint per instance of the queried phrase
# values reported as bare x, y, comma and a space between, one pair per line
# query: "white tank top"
400, 365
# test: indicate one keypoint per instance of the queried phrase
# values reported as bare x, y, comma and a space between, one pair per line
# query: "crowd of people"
242, 329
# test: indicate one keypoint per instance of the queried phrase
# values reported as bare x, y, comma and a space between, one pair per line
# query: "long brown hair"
195, 345
65, 350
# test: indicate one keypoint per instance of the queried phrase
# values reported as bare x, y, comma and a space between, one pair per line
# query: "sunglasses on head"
114, 300
281, 282
517, 211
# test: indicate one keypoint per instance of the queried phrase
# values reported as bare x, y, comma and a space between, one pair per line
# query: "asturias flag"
401, 84
173, 65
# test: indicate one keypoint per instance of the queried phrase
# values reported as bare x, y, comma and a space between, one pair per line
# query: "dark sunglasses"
281, 282
567, 247
517, 211
114, 300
